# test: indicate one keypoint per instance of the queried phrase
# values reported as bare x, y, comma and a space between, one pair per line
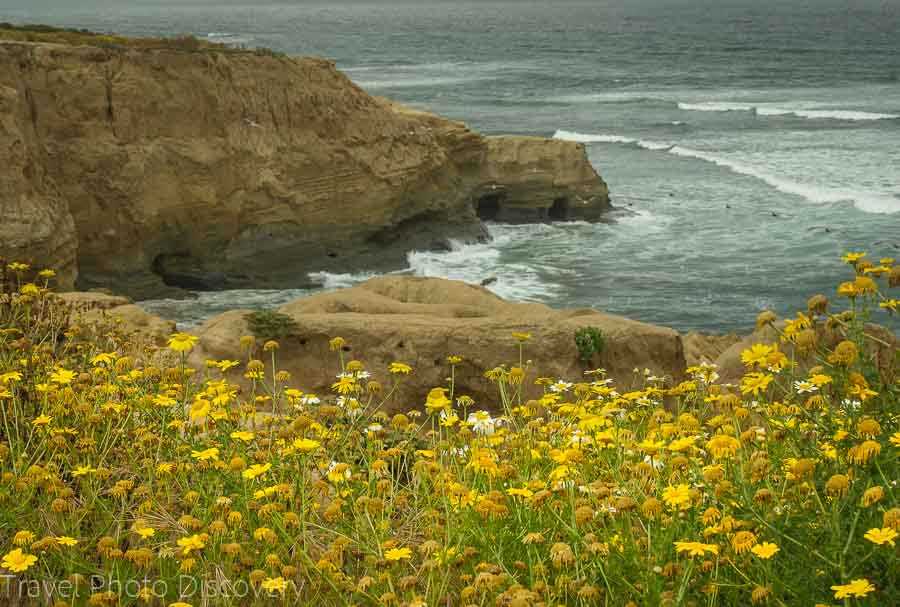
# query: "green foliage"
268, 324
589, 341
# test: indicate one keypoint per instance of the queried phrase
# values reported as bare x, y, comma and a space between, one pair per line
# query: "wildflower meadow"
129, 478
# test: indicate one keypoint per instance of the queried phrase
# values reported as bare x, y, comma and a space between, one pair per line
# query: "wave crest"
870, 202
774, 110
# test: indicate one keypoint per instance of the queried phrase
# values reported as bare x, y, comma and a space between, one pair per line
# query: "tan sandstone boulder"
92, 308
702, 347
881, 346
421, 321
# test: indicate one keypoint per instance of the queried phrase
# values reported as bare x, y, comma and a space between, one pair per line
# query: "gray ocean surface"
755, 140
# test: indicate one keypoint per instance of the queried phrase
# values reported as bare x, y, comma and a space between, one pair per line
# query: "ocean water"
754, 141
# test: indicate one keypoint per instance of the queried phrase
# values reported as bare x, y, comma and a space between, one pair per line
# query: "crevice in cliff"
559, 211
110, 112
272, 111
110, 109
287, 109
32, 108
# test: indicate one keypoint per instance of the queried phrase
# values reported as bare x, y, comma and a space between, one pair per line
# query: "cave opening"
172, 270
488, 207
559, 211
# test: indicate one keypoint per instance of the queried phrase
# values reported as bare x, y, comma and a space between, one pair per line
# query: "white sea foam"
587, 138
610, 98
868, 201
830, 114
474, 263
330, 280
810, 111
441, 66
715, 106
415, 82
228, 38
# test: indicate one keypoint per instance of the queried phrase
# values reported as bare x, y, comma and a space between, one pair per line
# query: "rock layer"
35, 222
421, 321
147, 169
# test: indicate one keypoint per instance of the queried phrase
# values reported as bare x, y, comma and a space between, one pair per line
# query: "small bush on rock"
268, 324
589, 341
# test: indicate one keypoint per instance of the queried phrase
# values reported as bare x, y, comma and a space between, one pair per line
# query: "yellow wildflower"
766, 550
857, 588
398, 368
677, 496
696, 548
17, 561
207, 454
885, 535
754, 383
182, 342
273, 585
189, 544
63, 377
398, 554
256, 470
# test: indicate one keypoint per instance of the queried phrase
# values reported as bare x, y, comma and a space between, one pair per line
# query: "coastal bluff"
153, 169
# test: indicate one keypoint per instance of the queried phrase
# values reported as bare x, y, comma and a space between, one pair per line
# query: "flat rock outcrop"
159, 168
421, 321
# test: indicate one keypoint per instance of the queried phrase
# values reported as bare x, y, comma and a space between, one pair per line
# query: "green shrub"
268, 324
589, 341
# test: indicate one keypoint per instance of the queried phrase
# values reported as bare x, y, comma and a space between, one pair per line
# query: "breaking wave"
585, 138
774, 110
870, 202
329, 280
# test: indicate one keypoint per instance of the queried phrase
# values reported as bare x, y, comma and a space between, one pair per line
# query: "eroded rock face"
35, 222
421, 321
145, 170
531, 179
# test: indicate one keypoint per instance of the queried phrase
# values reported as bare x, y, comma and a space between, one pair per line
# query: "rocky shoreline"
156, 170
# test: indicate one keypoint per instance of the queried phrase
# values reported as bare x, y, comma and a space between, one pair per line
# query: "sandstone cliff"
421, 321
146, 169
